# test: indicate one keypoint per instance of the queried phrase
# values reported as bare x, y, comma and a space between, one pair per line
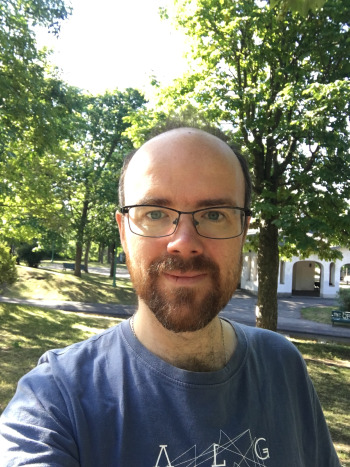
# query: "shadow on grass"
329, 368
60, 285
27, 332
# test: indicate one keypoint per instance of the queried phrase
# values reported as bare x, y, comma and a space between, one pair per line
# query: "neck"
207, 349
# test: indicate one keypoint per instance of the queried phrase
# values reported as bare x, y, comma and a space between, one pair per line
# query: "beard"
184, 309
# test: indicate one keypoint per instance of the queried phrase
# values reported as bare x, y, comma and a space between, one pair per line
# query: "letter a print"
163, 449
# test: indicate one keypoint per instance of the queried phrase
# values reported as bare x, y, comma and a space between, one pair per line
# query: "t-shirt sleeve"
35, 428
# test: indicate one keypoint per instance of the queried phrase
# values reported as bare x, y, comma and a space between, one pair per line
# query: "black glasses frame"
125, 210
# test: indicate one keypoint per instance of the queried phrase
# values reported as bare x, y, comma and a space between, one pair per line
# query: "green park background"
270, 78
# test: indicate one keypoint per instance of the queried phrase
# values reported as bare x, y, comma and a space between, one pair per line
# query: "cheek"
142, 251
228, 258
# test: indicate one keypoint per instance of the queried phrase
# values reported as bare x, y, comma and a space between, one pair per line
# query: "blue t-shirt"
109, 402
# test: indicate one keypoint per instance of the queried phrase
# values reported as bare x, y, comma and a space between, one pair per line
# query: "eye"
156, 215
214, 216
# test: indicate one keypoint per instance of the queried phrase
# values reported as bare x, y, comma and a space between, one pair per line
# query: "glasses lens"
219, 222
152, 221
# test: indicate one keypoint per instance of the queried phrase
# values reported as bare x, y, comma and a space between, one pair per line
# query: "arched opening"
307, 278
282, 272
332, 274
345, 275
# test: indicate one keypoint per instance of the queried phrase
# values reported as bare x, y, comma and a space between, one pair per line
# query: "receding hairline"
183, 132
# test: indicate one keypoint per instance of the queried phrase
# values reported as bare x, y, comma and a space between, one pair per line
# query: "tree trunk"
80, 238
111, 253
78, 256
268, 262
100, 253
86, 258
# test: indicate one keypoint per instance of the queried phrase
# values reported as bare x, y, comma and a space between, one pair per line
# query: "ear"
121, 226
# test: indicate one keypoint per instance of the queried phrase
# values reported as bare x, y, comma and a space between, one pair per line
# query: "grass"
329, 367
320, 314
27, 332
48, 284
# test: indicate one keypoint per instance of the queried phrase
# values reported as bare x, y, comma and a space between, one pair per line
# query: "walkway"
241, 308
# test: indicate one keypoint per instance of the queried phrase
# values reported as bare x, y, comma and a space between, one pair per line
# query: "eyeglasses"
220, 222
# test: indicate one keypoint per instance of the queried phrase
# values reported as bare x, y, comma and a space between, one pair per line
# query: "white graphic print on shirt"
241, 450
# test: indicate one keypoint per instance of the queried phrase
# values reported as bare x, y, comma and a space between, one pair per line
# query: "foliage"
8, 273
279, 83
36, 111
95, 162
31, 253
60, 150
300, 6
344, 299
22, 84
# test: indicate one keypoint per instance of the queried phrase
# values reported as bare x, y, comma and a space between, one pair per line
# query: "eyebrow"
148, 200
165, 202
215, 202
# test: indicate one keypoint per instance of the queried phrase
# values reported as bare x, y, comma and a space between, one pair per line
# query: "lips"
190, 278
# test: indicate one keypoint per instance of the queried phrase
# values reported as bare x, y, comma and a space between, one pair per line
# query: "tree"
279, 83
35, 106
301, 6
8, 273
33, 183
96, 160
22, 66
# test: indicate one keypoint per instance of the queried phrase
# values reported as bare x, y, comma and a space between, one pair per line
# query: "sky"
109, 44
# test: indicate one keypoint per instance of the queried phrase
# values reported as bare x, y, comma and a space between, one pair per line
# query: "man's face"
184, 279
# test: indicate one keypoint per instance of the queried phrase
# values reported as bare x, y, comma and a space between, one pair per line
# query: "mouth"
185, 279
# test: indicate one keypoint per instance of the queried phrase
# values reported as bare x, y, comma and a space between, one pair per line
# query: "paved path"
241, 308
103, 270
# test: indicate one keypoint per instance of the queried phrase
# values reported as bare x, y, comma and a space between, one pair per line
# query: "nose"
185, 241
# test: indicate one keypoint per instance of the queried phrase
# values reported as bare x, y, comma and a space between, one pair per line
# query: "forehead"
183, 168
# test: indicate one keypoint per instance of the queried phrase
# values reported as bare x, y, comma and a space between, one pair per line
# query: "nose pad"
194, 221
185, 240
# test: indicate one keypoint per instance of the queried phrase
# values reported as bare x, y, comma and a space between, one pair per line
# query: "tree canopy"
278, 83
60, 148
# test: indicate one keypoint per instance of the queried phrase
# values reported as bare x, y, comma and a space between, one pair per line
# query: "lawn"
320, 314
51, 284
26, 332
329, 367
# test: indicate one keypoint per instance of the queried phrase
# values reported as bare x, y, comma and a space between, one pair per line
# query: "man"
175, 385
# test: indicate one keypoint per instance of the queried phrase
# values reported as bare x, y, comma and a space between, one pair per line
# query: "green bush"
31, 254
8, 272
344, 299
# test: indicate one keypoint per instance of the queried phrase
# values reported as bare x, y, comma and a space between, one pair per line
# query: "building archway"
307, 278
345, 275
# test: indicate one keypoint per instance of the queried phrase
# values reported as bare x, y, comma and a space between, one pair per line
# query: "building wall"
297, 274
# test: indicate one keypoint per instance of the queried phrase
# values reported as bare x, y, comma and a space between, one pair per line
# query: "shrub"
8, 272
344, 299
31, 254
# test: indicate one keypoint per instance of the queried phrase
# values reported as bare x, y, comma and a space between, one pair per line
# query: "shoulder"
95, 346
73, 369
263, 344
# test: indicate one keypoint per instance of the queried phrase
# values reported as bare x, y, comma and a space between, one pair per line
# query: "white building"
310, 276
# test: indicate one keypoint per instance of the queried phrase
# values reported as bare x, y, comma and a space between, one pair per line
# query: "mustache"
175, 263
